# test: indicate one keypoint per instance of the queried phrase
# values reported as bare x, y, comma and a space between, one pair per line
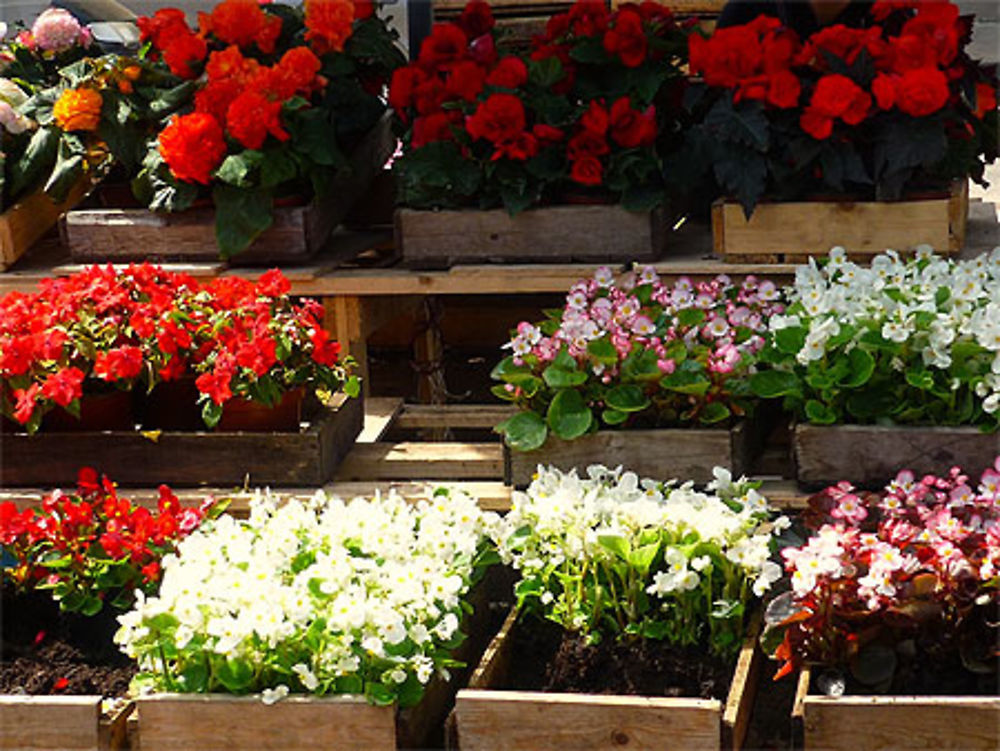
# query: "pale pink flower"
56, 30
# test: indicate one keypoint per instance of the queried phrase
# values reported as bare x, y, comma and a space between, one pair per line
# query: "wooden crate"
682, 453
306, 458
489, 719
24, 223
553, 234
869, 456
881, 723
61, 723
298, 232
791, 232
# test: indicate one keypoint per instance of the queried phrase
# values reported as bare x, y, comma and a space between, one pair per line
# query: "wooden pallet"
68, 723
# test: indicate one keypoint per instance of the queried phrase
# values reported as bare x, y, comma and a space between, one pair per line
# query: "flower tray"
24, 223
507, 720
62, 723
791, 232
871, 455
305, 458
555, 234
298, 232
688, 453
880, 723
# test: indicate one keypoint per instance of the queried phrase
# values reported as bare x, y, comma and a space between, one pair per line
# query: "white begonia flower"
274, 695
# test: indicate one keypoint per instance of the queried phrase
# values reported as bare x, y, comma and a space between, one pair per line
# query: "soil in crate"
44, 651
545, 658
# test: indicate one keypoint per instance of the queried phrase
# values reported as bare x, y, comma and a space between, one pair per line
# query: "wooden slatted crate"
493, 719
881, 723
792, 232
24, 223
61, 723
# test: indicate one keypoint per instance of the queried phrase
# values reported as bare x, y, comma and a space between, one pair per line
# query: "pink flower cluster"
642, 310
55, 30
922, 550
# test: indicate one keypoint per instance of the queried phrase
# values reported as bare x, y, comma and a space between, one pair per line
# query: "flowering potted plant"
894, 110
891, 365
89, 551
231, 354
350, 610
638, 372
256, 110
651, 578
577, 119
896, 594
51, 80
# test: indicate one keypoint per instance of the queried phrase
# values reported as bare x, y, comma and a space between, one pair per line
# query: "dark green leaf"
626, 398
569, 416
241, 216
525, 431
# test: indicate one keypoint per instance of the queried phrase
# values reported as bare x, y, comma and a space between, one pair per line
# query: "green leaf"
820, 414
545, 73
862, 365
211, 413
277, 167
686, 382
616, 545
790, 340
569, 416
38, 158
613, 417
194, 677
770, 384
235, 675
626, 398
240, 217
560, 378
171, 99
920, 379
688, 317
525, 431
714, 412
235, 169
67, 171
642, 557
603, 351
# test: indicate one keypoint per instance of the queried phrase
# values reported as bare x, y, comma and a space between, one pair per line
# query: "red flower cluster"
915, 69
240, 97
460, 88
93, 546
117, 327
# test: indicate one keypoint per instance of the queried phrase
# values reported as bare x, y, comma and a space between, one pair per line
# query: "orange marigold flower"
193, 146
78, 109
242, 22
251, 117
328, 24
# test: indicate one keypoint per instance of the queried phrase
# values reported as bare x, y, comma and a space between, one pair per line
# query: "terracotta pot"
111, 410
254, 417
173, 405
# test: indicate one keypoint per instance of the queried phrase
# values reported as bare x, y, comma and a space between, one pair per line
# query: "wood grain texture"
305, 458
34, 723
217, 722
793, 231
685, 454
453, 415
555, 233
880, 723
24, 223
411, 460
871, 455
297, 233
489, 719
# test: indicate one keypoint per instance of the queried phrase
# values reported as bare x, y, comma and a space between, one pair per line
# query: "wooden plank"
684, 454
491, 495
581, 233
453, 415
216, 722
24, 223
881, 723
871, 455
686, 7
739, 702
30, 723
417, 461
380, 415
308, 457
297, 232
797, 230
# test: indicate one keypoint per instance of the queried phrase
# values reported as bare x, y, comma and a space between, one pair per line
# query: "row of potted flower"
892, 592
242, 109
192, 347
900, 343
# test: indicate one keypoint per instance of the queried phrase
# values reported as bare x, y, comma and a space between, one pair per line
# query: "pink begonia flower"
724, 360
666, 366
850, 509
56, 30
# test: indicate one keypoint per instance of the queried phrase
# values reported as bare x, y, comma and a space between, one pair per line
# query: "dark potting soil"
45, 651
545, 658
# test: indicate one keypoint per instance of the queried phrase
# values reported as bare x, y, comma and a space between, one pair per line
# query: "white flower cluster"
928, 303
563, 516
307, 593
12, 97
